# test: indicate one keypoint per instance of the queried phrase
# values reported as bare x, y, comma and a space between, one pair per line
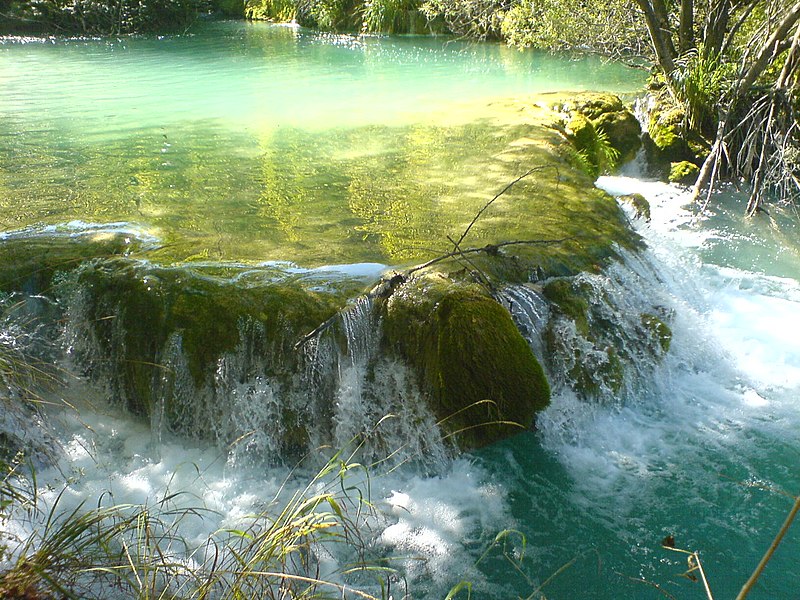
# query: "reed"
135, 551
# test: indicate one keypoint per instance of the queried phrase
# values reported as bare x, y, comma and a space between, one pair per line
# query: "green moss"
590, 377
471, 358
623, 131
683, 172
569, 302
639, 203
666, 134
30, 263
658, 330
583, 135
617, 135
595, 356
135, 307
594, 105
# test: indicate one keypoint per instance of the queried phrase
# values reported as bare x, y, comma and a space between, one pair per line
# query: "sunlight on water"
248, 140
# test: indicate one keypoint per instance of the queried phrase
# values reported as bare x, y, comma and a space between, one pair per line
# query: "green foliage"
370, 16
135, 551
700, 83
611, 27
593, 145
282, 11
104, 17
479, 19
390, 16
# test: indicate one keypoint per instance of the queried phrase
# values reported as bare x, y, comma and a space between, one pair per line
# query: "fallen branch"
386, 287
500, 193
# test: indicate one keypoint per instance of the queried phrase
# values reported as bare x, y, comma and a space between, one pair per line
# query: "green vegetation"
366, 16
135, 551
484, 379
92, 17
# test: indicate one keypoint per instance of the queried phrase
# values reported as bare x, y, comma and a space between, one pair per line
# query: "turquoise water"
246, 141
187, 137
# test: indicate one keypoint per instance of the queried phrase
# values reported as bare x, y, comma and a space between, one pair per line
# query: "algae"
387, 194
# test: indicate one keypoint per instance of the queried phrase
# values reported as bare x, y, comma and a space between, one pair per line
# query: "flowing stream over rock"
696, 439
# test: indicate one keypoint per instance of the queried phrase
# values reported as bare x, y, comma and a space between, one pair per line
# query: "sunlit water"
251, 141
699, 450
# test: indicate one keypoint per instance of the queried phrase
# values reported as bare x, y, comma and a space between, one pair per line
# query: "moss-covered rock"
666, 131
569, 301
596, 104
30, 260
668, 140
616, 136
684, 172
379, 194
641, 207
658, 330
594, 342
583, 135
623, 131
132, 308
484, 381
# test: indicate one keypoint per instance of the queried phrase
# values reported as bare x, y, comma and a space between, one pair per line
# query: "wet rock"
641, 207
483, 379
684, 172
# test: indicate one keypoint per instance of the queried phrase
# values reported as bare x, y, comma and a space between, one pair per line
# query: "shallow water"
260, 142
183, 139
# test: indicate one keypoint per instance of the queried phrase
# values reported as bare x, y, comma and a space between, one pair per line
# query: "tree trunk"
716, 27
655, 17
768, 50
686, 32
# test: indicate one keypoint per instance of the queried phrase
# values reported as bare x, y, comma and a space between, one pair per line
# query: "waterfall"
337, 389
